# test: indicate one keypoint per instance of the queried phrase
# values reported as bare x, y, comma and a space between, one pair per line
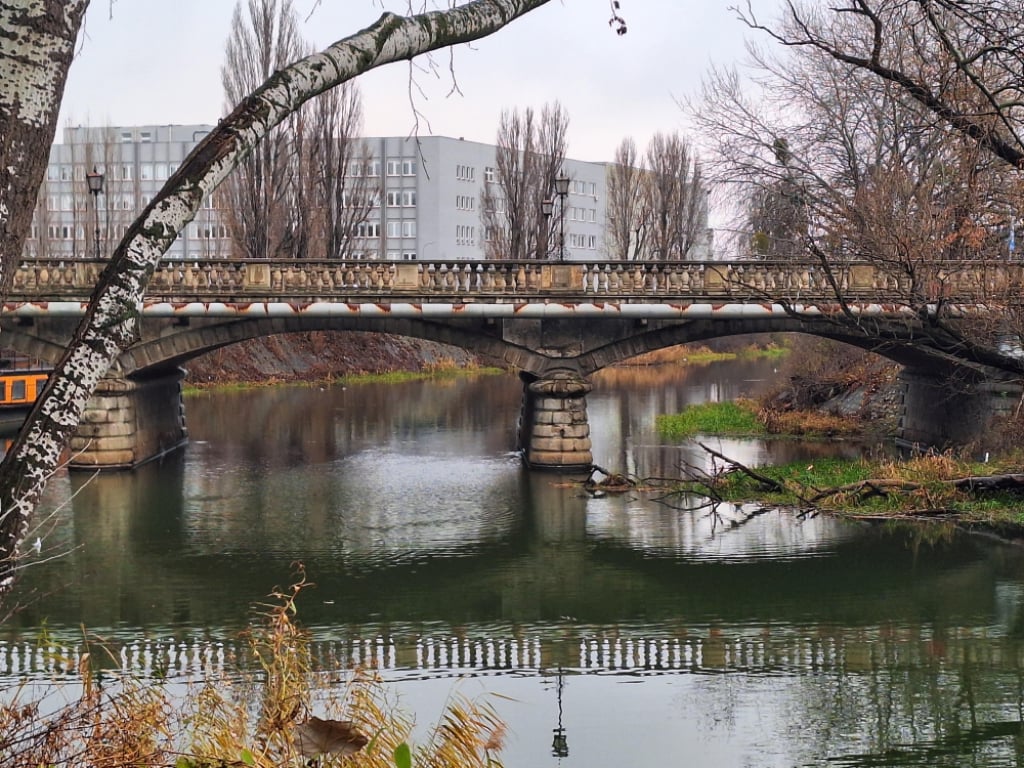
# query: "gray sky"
158, 62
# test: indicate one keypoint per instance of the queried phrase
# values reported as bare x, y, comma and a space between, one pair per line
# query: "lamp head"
562, 185
95, 181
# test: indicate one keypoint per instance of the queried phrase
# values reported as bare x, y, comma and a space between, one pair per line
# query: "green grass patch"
399, 377
771, 351
733, 419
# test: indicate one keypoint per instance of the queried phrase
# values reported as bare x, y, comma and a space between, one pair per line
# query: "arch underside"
538, 347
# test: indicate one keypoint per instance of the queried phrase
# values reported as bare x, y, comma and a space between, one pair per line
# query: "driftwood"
766, 482
613, 482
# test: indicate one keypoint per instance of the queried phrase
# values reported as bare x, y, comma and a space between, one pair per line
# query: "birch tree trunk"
37, 41
111, 322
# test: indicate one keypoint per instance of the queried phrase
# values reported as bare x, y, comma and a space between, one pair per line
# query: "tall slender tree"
627, 225
674, 198
530, 153
261, 192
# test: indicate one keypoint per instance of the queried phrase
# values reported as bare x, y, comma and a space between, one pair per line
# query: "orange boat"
19, 388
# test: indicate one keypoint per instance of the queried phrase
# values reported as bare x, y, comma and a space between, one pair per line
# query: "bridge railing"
230, 279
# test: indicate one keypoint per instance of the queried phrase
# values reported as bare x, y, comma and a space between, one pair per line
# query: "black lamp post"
562, 190
95, 182
547, 207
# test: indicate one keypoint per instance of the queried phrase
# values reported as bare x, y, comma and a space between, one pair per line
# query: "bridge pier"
553, 429
129, 422
939, 413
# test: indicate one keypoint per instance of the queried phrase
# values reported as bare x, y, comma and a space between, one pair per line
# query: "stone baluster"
606, 274
637, 283
467, 279
520, 277
615, 280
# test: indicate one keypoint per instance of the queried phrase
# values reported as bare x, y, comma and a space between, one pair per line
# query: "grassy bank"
697, 354
935, 486
442, 371
746, 418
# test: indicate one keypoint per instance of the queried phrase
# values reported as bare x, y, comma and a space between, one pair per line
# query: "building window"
368, 229
52, 172
160, 171
126, 137
489, 175
409, 256
373, 168
394, 167
408, 167
146, 171
408, 229
393, 198
393, 255
145, 137
126, 173
409, 198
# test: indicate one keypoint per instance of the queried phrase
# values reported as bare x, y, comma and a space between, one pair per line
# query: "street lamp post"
95, 182
547, 207
562, 190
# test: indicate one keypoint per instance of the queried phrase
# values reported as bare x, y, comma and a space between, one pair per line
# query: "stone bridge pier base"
940, 413
553, 429
129, 422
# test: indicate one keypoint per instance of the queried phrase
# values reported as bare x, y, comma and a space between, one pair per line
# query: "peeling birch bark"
111, 324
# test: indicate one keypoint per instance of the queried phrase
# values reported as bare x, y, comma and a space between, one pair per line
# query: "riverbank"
321, 356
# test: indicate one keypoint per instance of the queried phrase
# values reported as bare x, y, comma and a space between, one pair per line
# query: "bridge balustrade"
749, 280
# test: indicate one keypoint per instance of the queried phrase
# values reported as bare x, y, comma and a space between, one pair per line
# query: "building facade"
427, 195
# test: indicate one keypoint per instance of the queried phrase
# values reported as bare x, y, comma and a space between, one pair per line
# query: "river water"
651, 630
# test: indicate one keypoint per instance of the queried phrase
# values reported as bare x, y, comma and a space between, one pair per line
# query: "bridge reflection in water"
611, 650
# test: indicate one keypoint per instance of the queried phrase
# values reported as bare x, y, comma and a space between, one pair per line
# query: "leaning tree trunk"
111, 322
37, 42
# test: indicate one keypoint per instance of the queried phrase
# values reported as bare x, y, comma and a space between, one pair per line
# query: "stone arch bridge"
556, 323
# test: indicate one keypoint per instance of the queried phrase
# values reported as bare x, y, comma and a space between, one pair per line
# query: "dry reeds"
277, 711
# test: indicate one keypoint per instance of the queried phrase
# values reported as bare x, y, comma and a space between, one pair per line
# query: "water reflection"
731, 638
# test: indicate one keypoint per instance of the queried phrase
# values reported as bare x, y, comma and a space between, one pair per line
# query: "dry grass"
245, 720
808, 423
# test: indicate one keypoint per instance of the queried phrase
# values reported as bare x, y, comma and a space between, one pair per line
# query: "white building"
430, 191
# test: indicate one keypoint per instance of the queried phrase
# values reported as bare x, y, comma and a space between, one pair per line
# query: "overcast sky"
158, 62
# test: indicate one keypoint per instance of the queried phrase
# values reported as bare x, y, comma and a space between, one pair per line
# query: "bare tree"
530, 153
959, 59
261, 192
627, 225
31, 88
674, 198
842, 164
344, 190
